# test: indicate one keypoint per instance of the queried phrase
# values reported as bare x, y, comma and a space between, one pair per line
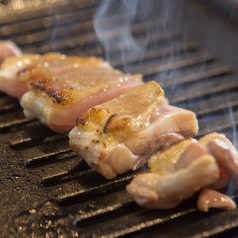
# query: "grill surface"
46, 191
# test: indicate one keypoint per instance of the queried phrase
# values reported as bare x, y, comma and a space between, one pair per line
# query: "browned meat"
224, 152
119, 135
164, 162
178, 172
163, 191
52, 68
62, 88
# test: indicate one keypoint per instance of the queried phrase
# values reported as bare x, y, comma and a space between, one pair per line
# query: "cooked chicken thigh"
163, 191
62, 88
17, 72
224, 152
121, 134
185, 168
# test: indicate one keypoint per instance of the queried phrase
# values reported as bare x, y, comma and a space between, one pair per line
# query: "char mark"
106, 127
85, 117
49, 87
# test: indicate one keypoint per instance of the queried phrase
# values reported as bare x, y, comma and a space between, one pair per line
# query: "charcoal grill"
46, 191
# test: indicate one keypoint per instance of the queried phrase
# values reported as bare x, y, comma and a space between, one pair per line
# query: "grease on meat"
179, 172
17, 72
119, 135
61, 92
163, 191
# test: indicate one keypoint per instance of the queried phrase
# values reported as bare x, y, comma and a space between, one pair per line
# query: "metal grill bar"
50, 158
89, 37
216, 104
148, 224
9, 107
30, 142
206, 74
193, 61
221, 123
102, 190
161, 53
63, 178
205, 90
108, 211
15, 123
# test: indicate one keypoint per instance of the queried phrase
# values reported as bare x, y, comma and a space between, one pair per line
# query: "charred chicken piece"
121, 134
164, 162
186, 168
17, 72
62, 88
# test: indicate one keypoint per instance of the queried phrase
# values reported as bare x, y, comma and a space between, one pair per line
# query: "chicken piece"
164, 191
60, 93
17, 72
8, 48
165, 128
224, 152
165, 161
175, 164
119, 135
209, 198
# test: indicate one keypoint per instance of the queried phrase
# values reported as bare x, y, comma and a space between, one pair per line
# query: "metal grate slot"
180, 64
161, 39
192, 77
9, 107
84, 8
220, 123
81, 170
51, 20
76, 36
101, 190
30, 142
158, 54
216, 223
141, 220
50, 158
94, 48
106, 212
5, 100
7, 126
215, 104
204, 89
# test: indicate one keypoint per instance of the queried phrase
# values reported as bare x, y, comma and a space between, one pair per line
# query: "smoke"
134, 34
124, 39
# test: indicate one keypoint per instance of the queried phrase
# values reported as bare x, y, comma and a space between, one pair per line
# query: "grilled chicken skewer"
121, 134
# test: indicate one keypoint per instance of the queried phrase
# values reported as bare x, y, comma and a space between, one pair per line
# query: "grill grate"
46, 190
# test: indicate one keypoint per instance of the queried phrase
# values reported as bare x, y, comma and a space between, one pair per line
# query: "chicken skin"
186, 168
121, 134
62, 88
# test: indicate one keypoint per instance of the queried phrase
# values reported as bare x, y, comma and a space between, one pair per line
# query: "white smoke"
133, 12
